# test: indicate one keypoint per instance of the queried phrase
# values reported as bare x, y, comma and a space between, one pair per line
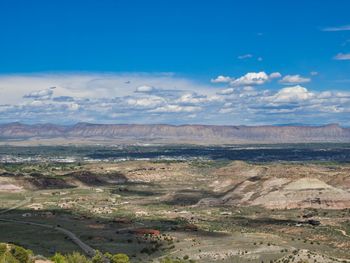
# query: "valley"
204, 210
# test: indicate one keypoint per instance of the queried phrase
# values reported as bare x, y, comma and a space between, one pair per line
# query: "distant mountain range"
159, 133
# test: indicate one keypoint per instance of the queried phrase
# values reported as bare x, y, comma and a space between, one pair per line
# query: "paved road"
86, 248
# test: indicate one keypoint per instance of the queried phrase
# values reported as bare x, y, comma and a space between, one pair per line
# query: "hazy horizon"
168, 124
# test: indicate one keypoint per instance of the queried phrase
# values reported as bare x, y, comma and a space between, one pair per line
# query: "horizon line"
178, 125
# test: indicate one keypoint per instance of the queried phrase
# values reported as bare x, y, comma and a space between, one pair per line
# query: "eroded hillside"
209, 210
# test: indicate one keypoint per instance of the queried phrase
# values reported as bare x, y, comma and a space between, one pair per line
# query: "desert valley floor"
203, 210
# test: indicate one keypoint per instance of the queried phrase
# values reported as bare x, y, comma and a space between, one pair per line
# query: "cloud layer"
250, 99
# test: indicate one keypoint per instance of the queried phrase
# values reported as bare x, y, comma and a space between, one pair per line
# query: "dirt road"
343, 232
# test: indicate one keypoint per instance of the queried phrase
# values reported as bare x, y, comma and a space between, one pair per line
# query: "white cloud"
313, 73
253, 78
193, 98
91, 85
106, 98
294, 79
144, 89
245, 56
226, 91
275, 75
175, 108
325, 95
337, 28
147, 102
292, 94
40, 94
249, 79
73, 106
342, 56
226, 110
221, 79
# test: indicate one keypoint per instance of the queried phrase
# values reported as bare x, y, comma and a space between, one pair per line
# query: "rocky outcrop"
279, 186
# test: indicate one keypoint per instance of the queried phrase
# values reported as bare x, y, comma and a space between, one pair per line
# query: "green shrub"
98, 258
177, 260
7, 257
21, 254
108, 255
3, 249
120, 258
76, 257
58, 258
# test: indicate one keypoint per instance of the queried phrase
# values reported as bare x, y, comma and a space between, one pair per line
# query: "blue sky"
159, 61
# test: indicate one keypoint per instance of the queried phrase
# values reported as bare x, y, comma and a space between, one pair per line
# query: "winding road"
84, 247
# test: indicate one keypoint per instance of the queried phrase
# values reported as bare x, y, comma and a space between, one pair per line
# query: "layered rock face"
178, 134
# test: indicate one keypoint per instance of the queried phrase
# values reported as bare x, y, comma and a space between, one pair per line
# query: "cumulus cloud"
254, 78
249, 79
292, 94
294, 79
275, 75
342, 56
221, 79
40, 94
144, 89
190, 98
194, 98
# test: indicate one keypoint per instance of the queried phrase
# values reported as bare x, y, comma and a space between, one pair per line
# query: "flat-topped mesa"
162, 133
